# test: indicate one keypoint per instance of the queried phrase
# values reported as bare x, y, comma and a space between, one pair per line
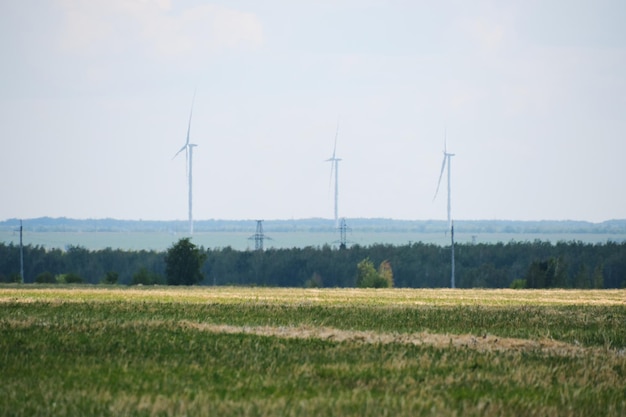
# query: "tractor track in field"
484, 343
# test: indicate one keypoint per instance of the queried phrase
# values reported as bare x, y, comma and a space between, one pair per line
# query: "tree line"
535, 264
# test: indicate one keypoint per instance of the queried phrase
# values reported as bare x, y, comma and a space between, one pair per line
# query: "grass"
260, 352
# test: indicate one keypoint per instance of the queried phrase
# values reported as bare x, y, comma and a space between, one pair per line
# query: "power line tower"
259, 236
343, 229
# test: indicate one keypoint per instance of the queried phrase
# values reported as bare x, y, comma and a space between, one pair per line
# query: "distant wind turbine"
188, 148
335, 167
446, 161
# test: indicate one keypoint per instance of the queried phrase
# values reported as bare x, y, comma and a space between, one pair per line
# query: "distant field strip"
299, 296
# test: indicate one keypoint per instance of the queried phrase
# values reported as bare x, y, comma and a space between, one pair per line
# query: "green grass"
115, 351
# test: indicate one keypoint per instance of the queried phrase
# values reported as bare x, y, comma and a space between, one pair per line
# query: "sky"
530, 96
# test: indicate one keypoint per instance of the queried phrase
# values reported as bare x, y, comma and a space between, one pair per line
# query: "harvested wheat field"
162, 351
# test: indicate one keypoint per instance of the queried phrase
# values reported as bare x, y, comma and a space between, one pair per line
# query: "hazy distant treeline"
534, 264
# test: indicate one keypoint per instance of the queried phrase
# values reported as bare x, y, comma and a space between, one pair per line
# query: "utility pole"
21, 255
452, 248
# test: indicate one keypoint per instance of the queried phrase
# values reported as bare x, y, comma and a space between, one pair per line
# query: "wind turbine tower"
191, 146
188, 148
446, 161
335, 167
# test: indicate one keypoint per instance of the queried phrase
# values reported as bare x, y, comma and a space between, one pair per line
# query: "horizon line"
309, 219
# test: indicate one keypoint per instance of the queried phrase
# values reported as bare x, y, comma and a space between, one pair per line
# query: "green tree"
518, 284
547, 274
368, 277
45, 277
145, 277
536, 276
386, 273
581, 280
110, 278
183, 263
557, 273
72, 278
314, 282
598, 277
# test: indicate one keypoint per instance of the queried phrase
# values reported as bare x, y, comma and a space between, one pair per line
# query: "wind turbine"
188, 148
446, 161
335, 167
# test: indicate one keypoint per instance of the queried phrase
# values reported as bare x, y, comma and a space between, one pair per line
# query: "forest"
535, 264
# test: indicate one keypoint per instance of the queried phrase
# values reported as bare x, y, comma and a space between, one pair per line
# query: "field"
160, 241
163, 351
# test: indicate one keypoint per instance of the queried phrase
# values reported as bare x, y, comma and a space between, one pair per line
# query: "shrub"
71, 278
14, 277
315, 281
518, 284
45, 278
111, 278
145, 277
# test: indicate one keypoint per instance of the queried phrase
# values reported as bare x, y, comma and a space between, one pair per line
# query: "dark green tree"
536, 277
183, 263
110, 278
598, 277
546, 274
145, 277
45, 277
581, 280
73, 278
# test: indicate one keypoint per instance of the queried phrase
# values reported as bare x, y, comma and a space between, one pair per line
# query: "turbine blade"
190, 114
186, 145
181, 149
443, 166
336, 135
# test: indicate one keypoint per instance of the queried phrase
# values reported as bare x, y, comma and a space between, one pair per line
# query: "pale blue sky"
95, 96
